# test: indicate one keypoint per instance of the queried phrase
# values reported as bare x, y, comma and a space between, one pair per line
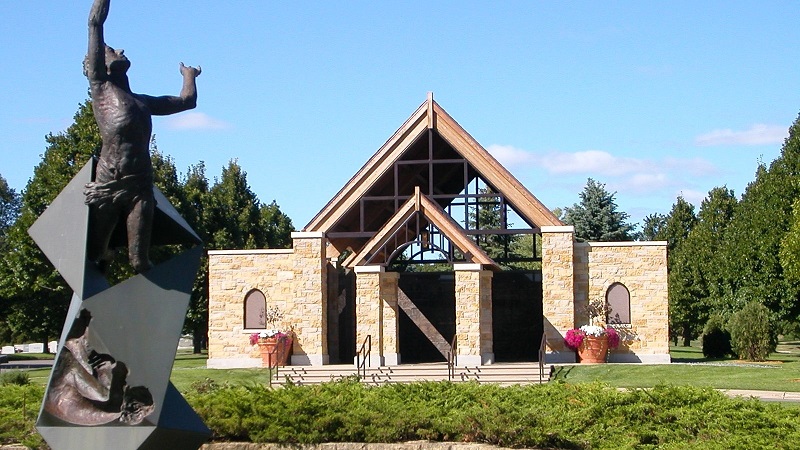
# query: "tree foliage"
596, 217
35, 296
227, 215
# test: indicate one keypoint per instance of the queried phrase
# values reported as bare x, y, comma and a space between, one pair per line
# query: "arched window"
255, 307
619, 304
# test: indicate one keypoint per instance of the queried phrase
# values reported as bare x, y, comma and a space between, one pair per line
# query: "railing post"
366, 351
542, 353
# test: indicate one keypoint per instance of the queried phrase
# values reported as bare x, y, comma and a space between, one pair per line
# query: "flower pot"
275, 351
593, 349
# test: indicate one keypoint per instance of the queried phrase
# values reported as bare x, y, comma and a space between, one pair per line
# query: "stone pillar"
558, 290
475, 342
310, 299
369, 311
390, 334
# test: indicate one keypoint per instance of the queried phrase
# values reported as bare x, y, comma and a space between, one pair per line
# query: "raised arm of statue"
170, 104
95, 59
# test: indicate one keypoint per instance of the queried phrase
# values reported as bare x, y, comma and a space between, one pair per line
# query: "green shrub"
19, 406
16, 377
554, 415
716, 339
753, 335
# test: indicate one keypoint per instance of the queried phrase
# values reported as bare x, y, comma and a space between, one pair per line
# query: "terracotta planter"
275, 351
593, 349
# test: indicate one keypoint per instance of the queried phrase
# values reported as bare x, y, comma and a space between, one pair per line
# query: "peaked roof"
431, 213
430, 136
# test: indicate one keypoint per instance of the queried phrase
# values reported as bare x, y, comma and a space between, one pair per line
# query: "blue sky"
654, 99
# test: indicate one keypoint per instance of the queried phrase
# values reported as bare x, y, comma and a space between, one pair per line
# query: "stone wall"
474, 315
232, 274
558, 290
369, 311
294, 281
642, 268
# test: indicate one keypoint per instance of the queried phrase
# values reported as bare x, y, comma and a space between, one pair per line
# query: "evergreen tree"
233, 212
682, 304
596, 217
653, 227
753, 269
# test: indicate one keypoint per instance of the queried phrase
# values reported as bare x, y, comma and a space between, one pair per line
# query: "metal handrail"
451, 360
273, 365
366, 350
542, 353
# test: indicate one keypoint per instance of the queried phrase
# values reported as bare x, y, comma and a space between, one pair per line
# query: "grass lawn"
781, 372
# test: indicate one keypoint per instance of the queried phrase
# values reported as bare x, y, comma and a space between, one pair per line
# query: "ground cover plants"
555, 415
575, 411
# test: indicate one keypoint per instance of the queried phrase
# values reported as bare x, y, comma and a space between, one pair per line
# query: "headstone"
7, 350
36, 348
52, 346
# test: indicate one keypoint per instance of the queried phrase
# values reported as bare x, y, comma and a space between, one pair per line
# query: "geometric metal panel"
110, 386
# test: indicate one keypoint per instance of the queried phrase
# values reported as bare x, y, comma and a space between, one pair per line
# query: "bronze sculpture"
123, 185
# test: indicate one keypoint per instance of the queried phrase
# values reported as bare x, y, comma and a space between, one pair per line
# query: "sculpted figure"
122, 191
90, 388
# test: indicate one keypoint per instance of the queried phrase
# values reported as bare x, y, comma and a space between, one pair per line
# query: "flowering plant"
575, 336
271, 316
280, 336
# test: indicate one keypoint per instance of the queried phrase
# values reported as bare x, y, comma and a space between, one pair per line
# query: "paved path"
767, 396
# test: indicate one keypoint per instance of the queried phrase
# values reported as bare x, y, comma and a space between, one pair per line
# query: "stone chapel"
394, 259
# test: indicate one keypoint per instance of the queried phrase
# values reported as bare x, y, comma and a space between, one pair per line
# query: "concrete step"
501, 373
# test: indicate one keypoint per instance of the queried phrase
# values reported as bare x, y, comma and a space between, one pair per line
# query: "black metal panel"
517, 320
434, 294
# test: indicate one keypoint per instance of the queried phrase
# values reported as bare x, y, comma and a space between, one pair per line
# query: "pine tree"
596, 217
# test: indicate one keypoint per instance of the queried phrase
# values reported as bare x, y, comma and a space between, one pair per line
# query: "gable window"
619, 304
255, 307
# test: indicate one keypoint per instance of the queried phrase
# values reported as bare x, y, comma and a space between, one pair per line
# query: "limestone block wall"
474, 314
294, 281
558, 290
369, 310
309, 306
232, 274
642, 268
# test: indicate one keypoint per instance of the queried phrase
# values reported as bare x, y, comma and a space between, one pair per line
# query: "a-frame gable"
430, 150
431, 213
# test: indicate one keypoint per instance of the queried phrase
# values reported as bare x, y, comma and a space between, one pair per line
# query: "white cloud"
692, 196
693, 166
510, 156
758, 134
593, 162
636, 176
196, 121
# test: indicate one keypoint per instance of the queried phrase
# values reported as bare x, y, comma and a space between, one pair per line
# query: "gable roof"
431, 213
388, 178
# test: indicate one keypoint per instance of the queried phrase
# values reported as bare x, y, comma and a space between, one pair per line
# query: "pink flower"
574, 338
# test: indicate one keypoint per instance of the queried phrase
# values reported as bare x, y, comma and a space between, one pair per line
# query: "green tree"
682, 304
196, 191
762, 224
596, 217
488, 215
276, 226
9, 209
37, 296
652, 227
233, 212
